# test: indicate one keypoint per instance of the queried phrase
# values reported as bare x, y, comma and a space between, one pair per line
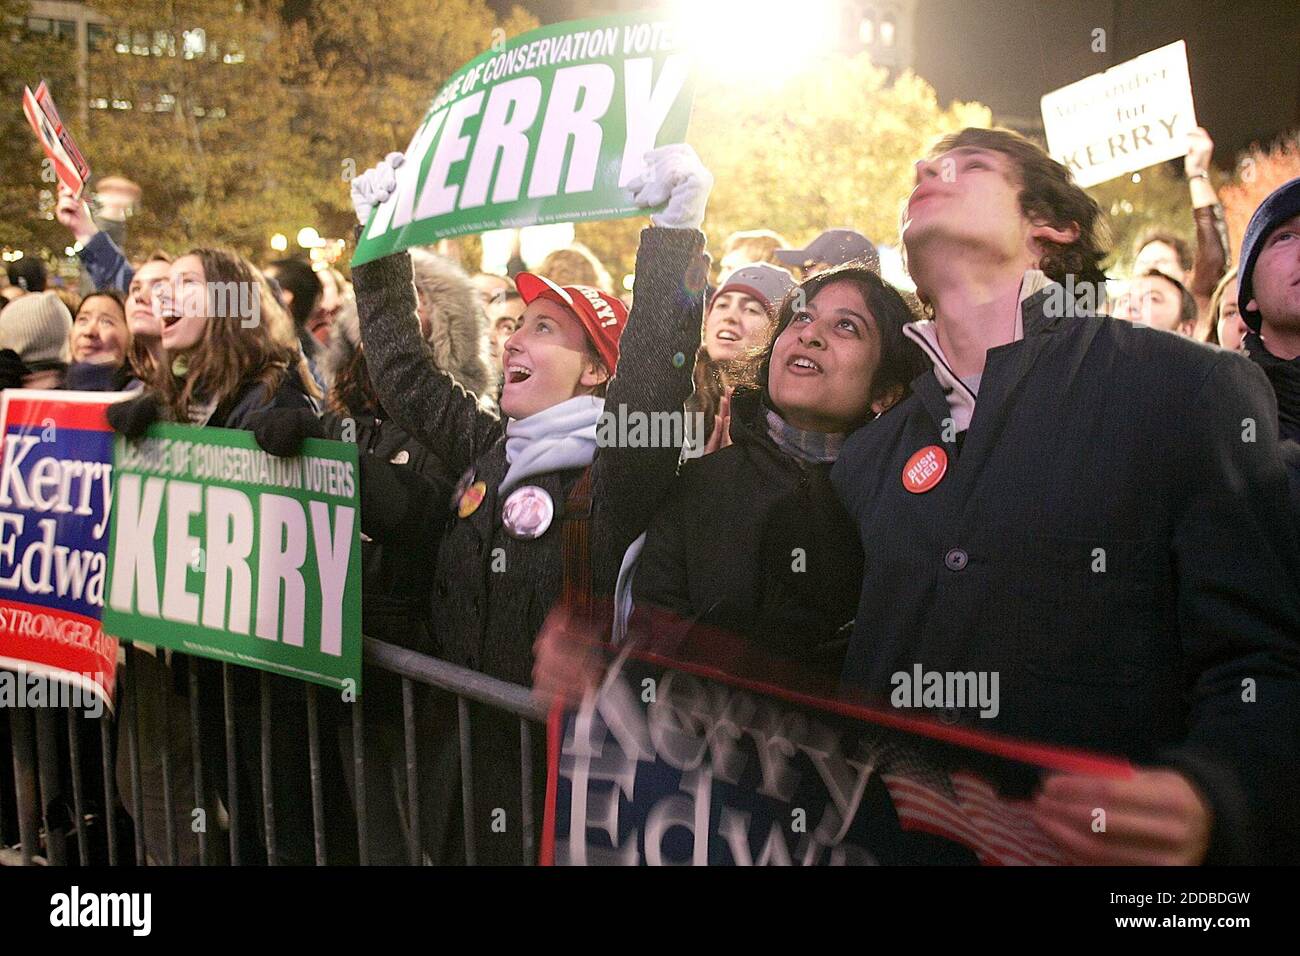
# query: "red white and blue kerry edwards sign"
56, 473
671, 763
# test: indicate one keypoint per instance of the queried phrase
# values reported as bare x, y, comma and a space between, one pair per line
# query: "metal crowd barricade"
59, 804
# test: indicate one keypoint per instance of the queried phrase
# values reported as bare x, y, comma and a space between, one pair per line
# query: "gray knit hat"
37, 326
769, 284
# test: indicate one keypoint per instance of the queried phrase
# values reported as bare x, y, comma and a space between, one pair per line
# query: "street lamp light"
279, 242
308, 237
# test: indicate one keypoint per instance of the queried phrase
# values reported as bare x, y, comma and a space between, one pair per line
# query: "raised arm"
424, 400
1211, 260
656, 362
100, 255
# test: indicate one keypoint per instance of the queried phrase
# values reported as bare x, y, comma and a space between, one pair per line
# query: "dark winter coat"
1284, 377
1107, 539
404, 492
253, 398
742, 531
493, 591
92, 377
292, 777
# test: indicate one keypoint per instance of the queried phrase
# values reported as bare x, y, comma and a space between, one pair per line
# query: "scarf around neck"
1284, 376
554, 439
819, 448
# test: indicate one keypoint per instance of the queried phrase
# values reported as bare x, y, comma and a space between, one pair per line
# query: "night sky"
1244, 55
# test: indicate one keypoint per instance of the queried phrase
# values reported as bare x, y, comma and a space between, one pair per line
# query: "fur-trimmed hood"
345, 339
458, 334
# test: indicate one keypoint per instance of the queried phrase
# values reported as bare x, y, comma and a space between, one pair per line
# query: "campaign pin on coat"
471, 499
527, 513
925, 469
463, 499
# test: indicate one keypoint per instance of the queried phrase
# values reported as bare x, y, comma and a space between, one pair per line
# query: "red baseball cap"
602, 315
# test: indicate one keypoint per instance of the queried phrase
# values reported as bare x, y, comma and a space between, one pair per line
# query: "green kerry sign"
221, 550
547, 127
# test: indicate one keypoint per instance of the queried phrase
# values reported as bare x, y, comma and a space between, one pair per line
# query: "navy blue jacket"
106, 263
1099, 444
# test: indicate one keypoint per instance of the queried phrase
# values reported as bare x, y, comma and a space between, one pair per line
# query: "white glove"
675, 175
375, 185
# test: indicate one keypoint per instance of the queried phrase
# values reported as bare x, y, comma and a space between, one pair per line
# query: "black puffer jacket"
754, 541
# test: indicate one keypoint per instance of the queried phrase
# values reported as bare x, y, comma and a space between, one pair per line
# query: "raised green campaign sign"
548, 128
221, 550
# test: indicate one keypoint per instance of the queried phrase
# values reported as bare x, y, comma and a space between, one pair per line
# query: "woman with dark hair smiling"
752, 539
228, 362
100, 341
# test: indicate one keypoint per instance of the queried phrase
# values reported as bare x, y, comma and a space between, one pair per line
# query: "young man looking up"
1086, 507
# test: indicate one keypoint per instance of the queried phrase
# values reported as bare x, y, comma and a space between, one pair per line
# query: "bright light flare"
751, 41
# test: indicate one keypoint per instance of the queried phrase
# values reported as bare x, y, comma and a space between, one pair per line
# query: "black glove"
12, 369
281, 431
133, 417
400, 508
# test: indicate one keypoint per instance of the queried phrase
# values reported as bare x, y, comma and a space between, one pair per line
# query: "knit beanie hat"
37, 326
1282, 204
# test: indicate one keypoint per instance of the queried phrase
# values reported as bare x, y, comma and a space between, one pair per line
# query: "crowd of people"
1090, 487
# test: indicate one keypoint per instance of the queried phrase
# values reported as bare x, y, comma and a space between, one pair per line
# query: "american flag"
967, 809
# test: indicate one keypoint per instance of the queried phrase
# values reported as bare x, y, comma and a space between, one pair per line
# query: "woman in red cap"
531, 473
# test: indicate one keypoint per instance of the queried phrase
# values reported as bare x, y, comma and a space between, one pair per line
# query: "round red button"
925, 469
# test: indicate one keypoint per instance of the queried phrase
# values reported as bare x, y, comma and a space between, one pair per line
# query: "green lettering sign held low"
235, 557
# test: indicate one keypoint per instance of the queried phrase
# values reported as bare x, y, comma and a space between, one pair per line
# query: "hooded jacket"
458, 333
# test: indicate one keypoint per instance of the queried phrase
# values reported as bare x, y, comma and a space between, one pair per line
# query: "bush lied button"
956, 559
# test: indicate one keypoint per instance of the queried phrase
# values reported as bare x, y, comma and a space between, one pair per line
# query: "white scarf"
554, 439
